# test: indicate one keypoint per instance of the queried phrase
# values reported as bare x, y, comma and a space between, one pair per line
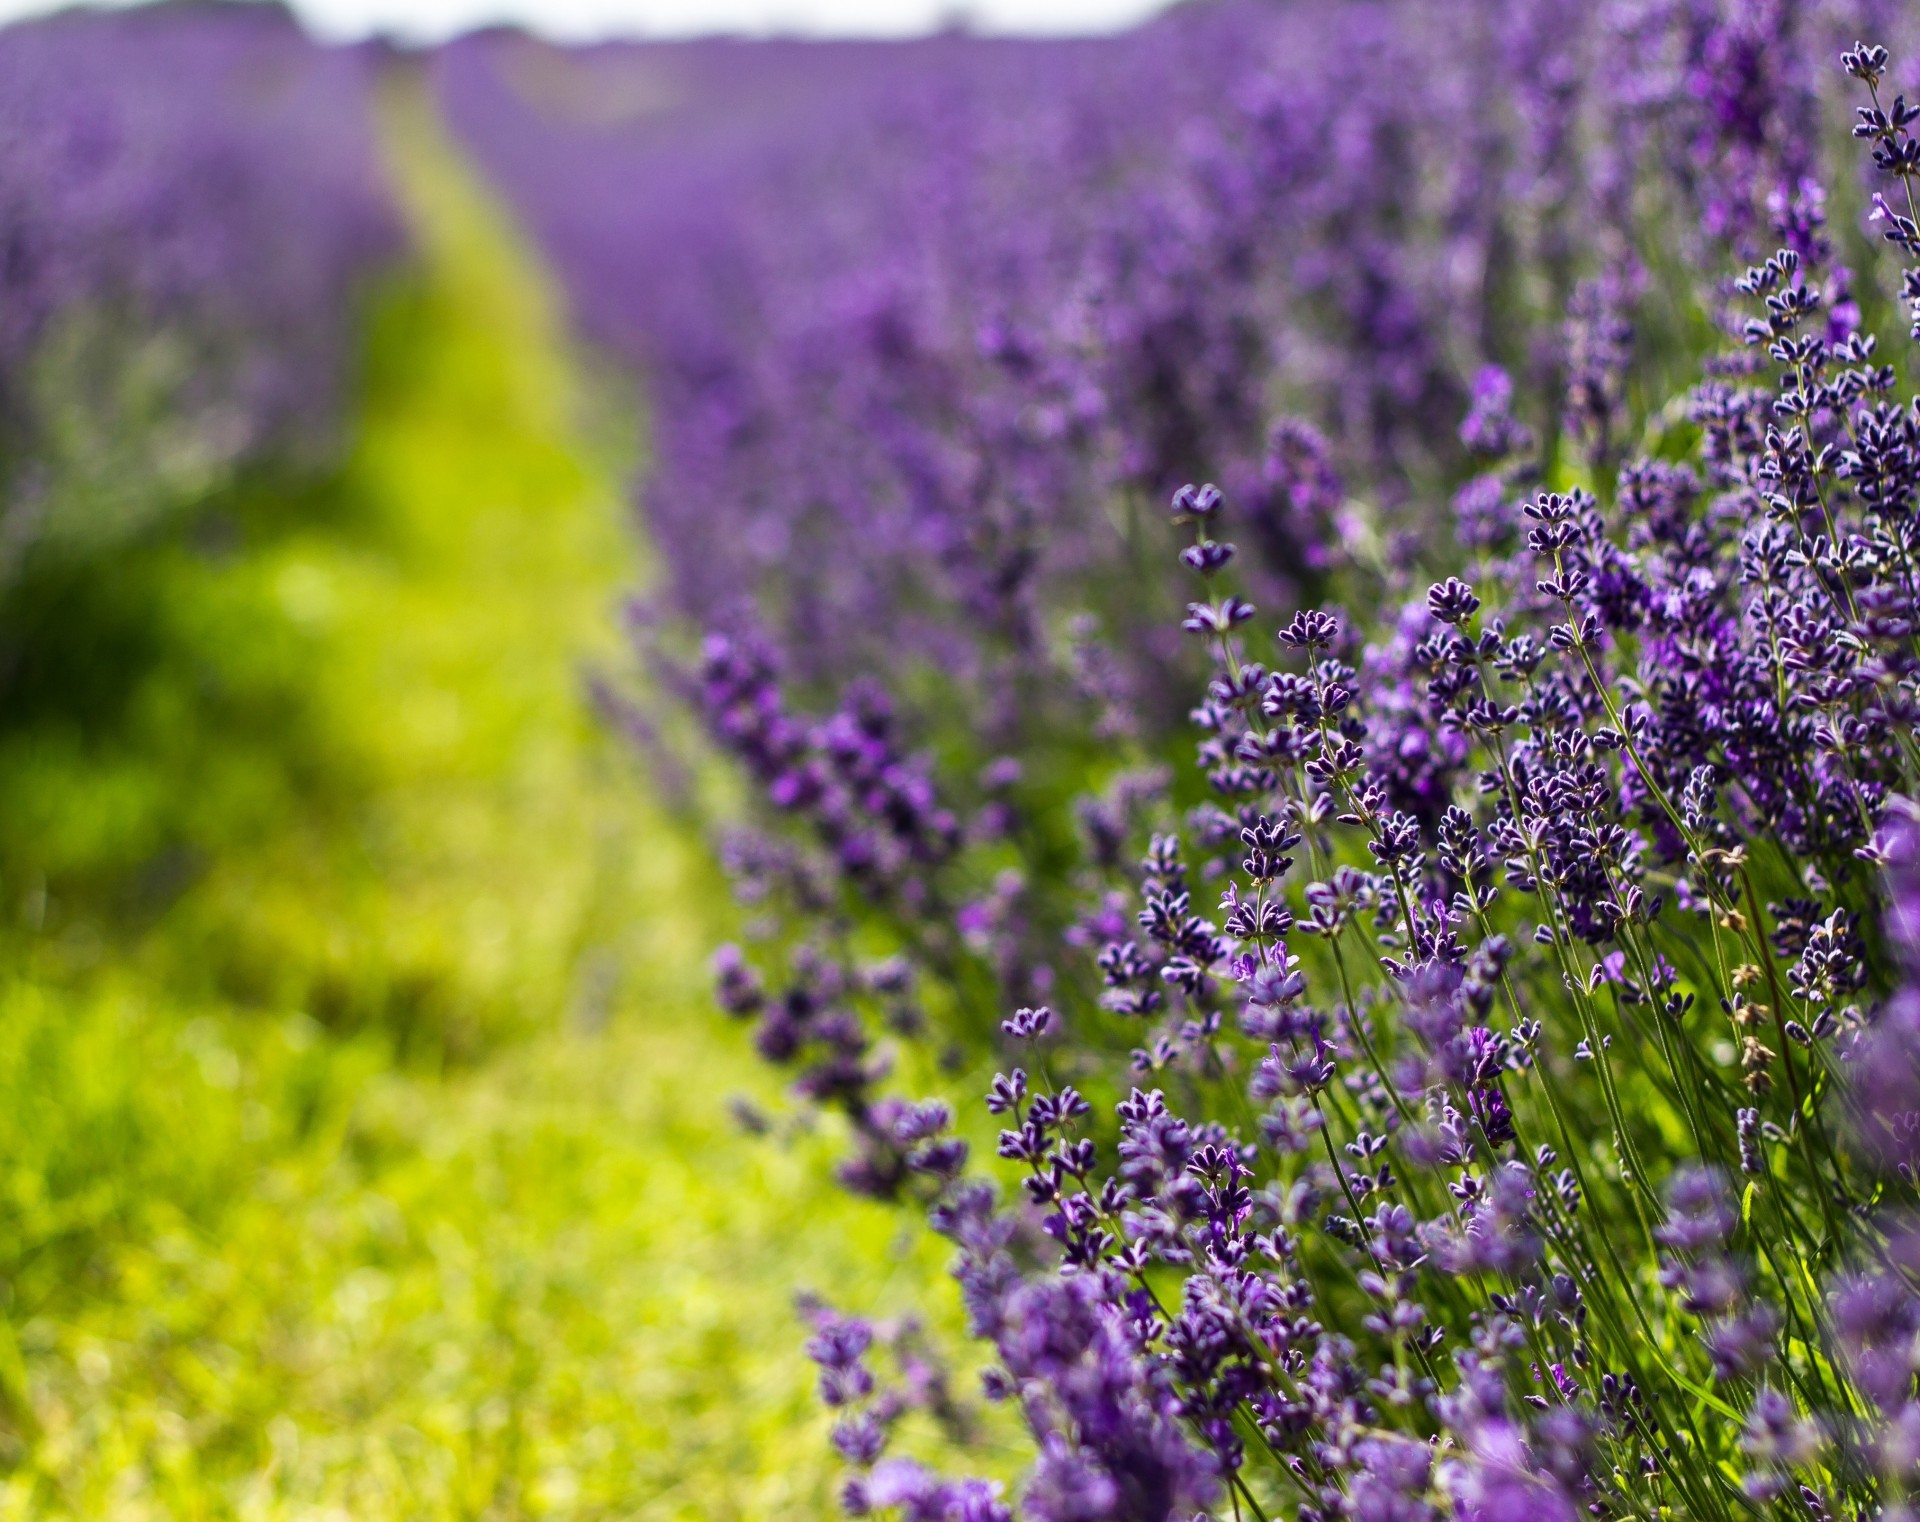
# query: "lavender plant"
1482, 1083
192, 199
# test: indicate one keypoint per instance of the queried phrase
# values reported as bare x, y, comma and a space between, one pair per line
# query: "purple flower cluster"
197, 183
1482, 1079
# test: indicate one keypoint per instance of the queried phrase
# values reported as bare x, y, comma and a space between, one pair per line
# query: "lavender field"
1107, 779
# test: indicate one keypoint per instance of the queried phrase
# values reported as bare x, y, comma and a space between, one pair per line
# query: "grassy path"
384, 1170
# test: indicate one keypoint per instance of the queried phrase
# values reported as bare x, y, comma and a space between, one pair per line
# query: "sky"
571, 20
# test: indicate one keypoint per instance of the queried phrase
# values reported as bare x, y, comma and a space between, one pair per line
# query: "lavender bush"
191, 199
1479, 1078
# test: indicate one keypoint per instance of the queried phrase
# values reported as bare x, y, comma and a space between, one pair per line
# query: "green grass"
364, 1148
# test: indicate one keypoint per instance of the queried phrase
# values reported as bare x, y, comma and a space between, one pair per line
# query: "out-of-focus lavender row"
922, 324
914, 318
189, 199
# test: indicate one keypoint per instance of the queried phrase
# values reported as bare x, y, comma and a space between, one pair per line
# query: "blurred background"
598, 20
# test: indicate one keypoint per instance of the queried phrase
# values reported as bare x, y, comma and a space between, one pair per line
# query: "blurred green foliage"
364, 1146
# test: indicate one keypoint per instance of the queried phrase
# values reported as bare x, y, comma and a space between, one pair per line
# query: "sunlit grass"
364, 1148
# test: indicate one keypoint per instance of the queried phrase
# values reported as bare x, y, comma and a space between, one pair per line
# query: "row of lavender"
190, 200
1478, 1077
924, 326
915, 319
